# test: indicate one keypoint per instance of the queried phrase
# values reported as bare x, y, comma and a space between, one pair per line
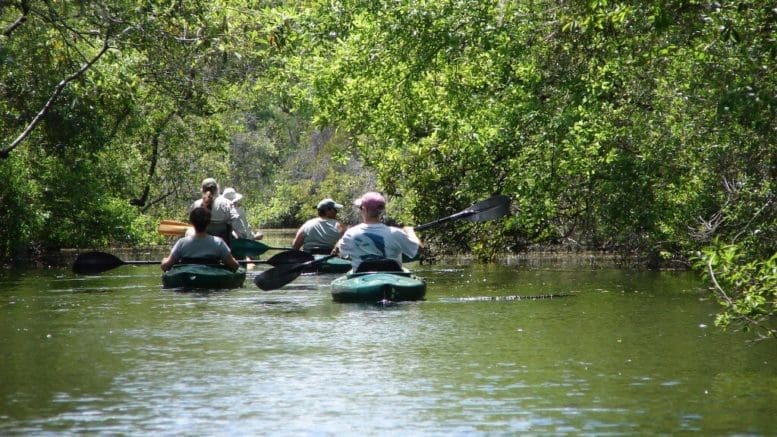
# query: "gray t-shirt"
208, 246
222, 212
319, 233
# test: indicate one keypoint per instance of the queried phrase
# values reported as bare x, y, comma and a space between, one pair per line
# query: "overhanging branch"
4, 153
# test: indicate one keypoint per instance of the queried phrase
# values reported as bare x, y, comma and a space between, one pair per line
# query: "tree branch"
4, 153
141, 201
25, 7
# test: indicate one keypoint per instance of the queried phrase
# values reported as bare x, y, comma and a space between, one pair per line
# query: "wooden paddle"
492, 208
91, 263
241, 247
173, 228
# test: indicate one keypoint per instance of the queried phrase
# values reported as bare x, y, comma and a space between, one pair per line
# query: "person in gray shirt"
319, 235
200, 246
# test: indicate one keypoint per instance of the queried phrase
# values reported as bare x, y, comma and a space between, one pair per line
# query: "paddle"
277, 277
492, 208
173, 228
90, 263
241, 247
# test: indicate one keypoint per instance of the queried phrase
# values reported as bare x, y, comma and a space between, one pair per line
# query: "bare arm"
299, 239
412, 236
230, 262
167, 263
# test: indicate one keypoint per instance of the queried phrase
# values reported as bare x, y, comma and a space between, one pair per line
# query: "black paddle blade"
277, 277
494, 207
490, 209
90, 263
289, 257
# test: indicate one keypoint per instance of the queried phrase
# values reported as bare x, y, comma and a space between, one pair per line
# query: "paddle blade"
245, 248
490, 209
173, 228
277, 277
289, 257
90, 263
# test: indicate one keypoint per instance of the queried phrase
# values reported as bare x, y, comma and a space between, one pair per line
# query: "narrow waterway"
488, 352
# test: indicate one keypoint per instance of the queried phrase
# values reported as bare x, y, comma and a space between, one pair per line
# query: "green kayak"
372, 287
331, 265
203, 276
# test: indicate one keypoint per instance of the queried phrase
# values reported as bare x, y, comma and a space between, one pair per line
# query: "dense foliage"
645, 127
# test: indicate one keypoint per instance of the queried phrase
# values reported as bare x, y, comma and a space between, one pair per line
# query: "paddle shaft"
440, 221
97, 262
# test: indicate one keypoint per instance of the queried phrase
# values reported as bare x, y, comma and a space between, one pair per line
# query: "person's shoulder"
185, 239
216, 239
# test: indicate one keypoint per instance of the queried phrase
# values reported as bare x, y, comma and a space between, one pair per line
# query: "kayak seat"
379, 265
319, 250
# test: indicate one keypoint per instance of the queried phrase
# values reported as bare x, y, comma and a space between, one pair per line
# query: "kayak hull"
331, 265
203, 276
374, 287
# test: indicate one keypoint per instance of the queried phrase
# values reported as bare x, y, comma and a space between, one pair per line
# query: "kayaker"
236, 198
224, 217
201, 245
372, 239
319, 235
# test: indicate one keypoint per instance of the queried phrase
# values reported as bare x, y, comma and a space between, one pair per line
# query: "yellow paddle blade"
173, 228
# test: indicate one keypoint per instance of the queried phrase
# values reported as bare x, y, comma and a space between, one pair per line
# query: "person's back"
193, 248
200, 247
374, 240
367, 241
320, 234
224, 217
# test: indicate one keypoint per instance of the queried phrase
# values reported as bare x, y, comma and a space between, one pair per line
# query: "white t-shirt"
367, 241
319, 233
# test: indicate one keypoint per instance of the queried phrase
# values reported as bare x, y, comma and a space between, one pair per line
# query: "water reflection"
619, 352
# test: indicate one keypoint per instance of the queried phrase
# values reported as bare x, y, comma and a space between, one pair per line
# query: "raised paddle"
91, 263
490, 209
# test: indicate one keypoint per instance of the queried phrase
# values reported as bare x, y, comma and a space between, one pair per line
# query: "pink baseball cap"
371, 201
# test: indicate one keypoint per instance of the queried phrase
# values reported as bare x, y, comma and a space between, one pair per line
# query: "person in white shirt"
372, 239
233, 196
319, 235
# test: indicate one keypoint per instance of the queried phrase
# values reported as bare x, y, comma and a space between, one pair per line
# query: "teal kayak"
372, 287
203, 276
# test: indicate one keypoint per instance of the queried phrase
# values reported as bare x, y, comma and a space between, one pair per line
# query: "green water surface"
622, 352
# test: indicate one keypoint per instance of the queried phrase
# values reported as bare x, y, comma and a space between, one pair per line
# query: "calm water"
624, 353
